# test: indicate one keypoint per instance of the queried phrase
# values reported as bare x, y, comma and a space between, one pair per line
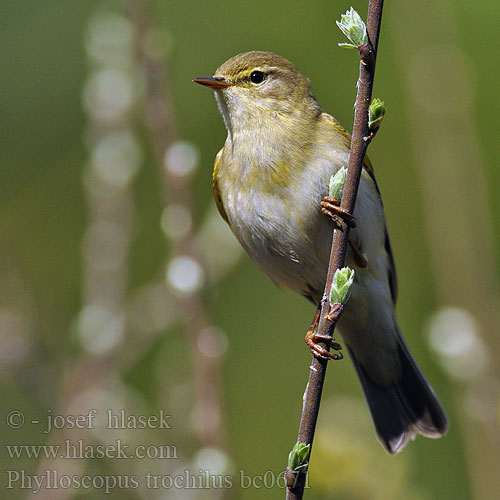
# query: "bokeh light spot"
181, 159
185, 275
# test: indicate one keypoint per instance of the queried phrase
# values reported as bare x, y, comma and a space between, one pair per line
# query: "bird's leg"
331, 206
313, 338
314, 325
358, 256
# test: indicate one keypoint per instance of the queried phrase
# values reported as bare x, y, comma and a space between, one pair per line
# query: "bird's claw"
341, 217
312, 340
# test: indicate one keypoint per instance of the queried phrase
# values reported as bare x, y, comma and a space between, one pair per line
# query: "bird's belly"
288, 238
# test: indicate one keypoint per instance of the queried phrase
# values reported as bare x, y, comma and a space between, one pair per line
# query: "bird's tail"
403, 409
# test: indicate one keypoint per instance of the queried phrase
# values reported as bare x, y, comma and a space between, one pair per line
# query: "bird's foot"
341, 217
314, 339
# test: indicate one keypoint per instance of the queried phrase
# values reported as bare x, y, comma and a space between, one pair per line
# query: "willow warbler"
269, 180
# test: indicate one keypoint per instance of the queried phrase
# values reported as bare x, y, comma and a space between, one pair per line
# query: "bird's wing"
368, 167
215, 186
393, 282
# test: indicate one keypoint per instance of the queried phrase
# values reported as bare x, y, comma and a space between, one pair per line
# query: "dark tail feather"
404, 409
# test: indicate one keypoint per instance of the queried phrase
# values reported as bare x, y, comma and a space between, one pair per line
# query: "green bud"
297, 459
343, 280
353, 28
376, 114
337, 182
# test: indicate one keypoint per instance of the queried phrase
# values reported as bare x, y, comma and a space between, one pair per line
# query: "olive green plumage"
269, 179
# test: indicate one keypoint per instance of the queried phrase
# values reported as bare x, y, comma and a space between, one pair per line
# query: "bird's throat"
266, 147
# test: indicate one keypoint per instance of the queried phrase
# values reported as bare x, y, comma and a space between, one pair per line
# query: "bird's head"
256, 86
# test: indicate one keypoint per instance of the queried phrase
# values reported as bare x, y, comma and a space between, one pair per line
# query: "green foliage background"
436, 73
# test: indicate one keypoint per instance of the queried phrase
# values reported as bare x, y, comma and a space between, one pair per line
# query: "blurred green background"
122, 289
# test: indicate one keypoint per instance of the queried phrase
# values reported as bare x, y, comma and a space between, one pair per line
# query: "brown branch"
326, 327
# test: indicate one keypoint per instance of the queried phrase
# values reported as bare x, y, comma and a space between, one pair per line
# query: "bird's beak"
216, 82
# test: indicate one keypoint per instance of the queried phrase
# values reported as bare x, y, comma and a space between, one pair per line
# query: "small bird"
269, 182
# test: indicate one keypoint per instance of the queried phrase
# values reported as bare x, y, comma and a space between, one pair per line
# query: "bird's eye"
257, 77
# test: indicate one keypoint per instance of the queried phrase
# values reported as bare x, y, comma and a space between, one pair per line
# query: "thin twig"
359, 144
